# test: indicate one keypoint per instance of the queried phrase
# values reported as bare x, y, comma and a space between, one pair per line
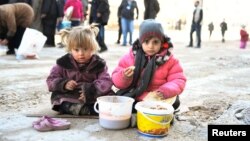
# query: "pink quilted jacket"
168, 78
77, 11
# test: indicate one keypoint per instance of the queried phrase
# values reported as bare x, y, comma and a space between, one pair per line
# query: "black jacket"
102, 7
152, 8
200, 17
126, 12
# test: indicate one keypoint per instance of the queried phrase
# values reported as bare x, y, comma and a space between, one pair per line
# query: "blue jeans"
100, 37
127, 26
195, 28
101, 32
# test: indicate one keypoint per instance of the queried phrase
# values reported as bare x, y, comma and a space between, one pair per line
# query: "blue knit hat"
149, 28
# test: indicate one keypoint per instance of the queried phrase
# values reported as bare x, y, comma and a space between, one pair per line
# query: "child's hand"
70, 85
82, 98
129, 71
3, 42
159, 94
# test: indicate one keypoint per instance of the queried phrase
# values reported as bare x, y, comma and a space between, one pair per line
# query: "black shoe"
198, 47
189, 45
10, 52
118, 42
177, 103
103, 50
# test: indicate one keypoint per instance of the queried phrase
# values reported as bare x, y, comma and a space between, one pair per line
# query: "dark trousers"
100, 37
120, 30
15, 41
223, 33
195, 28
75, 23
49, 26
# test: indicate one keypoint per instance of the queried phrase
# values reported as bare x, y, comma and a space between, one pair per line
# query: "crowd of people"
48, 15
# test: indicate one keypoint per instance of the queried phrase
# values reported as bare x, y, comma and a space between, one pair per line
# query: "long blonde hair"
80, 37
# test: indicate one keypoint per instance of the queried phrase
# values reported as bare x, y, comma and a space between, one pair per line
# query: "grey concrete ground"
218, 75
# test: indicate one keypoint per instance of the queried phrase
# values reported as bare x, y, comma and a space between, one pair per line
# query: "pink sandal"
48, 124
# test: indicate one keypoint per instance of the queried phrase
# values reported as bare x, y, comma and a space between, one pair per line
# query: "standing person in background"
14, 19
196, 25
60, 4
99, 14
178, 24
127, 19
152, 8
37, 23
223, 26
50, 12
211, 29
85, 5
119, 24
77, 14
244, 37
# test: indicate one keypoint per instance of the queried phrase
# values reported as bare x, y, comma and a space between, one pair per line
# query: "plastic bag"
68, 13
31, 44
3, 50
64, 25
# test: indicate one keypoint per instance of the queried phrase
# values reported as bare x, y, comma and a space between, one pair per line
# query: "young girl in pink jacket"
150, 71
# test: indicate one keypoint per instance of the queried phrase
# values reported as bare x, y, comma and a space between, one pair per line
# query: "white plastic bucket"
154, 117
114, 111
3, 50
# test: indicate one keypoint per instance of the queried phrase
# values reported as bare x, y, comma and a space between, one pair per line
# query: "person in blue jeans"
127, 8
119, 24
196, 25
